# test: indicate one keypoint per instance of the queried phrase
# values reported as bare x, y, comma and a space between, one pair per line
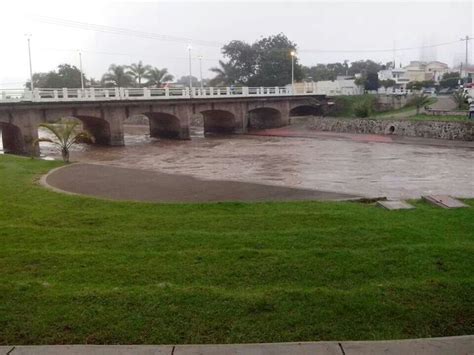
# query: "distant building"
465, 71
415, 71
437, 70
330, 87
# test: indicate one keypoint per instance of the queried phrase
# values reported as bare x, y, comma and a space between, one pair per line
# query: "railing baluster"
64, 94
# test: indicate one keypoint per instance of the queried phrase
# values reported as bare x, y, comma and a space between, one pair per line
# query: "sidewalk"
460, 345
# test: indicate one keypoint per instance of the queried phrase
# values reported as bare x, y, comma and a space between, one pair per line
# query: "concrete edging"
44, 183
456, 345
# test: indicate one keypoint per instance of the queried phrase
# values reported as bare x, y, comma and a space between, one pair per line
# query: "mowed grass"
83, 270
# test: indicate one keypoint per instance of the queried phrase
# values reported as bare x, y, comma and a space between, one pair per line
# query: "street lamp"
200, 71
190, 70
28, 37
293, 55
80, 68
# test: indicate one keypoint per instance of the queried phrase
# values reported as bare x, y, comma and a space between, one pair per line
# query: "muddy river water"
341, 165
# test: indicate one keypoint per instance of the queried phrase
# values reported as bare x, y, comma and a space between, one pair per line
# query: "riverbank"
79, 270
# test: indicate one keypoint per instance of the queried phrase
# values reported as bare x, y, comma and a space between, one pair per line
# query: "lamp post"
200, 71
293, 55
190, 70
28, 37
80, 68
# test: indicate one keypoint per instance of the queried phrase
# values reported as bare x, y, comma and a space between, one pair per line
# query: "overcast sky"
320, 29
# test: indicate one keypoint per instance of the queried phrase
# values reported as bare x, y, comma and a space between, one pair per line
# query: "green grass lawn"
427, 117
83, 270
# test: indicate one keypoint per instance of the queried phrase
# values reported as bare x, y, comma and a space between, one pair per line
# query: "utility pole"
466, 62
200, 71
394, 53
293, 54
28, 37
80, 68
190, 71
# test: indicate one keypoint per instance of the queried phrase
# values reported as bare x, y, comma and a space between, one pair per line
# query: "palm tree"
225, 74
460, 98
138, 71
66, 135
420, 101
117, 76
156, 76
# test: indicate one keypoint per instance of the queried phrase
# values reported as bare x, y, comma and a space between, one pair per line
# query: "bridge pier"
114, 117
19, 133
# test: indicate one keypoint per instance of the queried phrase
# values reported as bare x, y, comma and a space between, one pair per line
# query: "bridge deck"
121, 94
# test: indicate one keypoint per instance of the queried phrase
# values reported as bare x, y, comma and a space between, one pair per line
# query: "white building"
329, 87
415, 71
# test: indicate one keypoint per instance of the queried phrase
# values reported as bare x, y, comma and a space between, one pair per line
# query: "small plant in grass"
460, 98
419, 101
66, 134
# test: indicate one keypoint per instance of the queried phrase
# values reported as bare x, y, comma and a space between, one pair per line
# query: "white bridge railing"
110, 94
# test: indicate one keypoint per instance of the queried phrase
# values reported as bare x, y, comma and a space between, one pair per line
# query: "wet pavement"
341, 164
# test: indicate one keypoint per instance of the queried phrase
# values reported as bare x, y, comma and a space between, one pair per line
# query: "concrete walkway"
461, 345
125, 184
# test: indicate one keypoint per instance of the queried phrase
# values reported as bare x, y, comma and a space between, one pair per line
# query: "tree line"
265, 62
134, 75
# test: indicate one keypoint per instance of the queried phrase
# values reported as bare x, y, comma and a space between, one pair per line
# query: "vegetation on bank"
366, 106
83, 270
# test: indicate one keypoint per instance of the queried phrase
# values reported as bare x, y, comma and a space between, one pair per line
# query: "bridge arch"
218, 121
163, 125
97, 127
306, 110
12, 139
264, 117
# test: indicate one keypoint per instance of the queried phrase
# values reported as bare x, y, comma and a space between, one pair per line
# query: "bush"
345, 105
363, 109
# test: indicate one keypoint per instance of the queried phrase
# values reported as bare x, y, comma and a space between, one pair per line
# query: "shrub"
363, 108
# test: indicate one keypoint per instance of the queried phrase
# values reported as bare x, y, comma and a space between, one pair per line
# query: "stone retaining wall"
463, 131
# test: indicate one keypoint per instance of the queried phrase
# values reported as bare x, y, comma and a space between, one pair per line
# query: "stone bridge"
19, 121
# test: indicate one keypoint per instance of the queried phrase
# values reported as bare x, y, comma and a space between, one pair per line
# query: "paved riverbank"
461, 345
141, 185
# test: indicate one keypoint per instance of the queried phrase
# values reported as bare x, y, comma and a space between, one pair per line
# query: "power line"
123, 31
376, 50
168, 38
121, 54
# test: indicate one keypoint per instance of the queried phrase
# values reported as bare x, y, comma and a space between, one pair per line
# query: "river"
341, 165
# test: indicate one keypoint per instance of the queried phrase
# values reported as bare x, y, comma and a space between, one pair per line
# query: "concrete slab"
458, 345
395, 205
444, 201
4, 350
93, 350
320, 348
462, 345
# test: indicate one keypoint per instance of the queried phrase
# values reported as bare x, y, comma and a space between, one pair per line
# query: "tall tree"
450, 80
266, 62
156, 77
65, 76
117, 76
364, 67
137, 71
274, 62
372, 82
